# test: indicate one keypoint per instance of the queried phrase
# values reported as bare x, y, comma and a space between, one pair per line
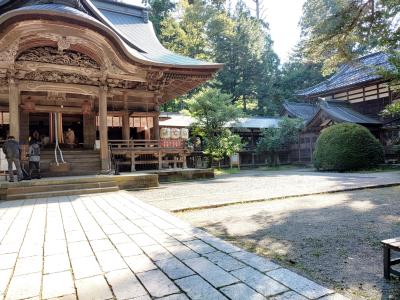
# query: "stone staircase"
83, 162
59, 187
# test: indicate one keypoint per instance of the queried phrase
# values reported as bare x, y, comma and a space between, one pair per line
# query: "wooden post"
159, 160
126, 130
104, 153
184, 162
386, 262
133, 158
14, 99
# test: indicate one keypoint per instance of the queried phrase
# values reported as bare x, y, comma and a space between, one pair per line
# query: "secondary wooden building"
355, 94
94, 66
175, 130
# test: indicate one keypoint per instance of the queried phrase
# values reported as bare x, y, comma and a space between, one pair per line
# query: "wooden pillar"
126, 130
157, 128
103, 129
24, 126
157, 120
89, 131
14, 101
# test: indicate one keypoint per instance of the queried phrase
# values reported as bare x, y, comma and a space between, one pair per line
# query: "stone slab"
241, 291
226, 262
157, 283
198, 289
210, 272
260, 263
259, 282
174, 268
125, 285
93, 288
299, 283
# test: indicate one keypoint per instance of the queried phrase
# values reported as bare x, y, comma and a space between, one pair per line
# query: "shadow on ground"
334, 239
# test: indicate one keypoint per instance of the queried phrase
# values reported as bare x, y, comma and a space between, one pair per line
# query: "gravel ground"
333, 238
255, 185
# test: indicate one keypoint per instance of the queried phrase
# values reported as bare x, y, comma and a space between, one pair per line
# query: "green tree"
160, 10
268, 86
335, 31
298, 74
212, 111
275, 140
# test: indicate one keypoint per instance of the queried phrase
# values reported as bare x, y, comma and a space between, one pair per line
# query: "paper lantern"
185, 133
175, 133
165, 133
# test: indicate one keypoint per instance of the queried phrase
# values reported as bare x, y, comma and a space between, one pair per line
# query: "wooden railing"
146, 152
132, 144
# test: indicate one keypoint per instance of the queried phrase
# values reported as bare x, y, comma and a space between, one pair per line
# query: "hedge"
347, 146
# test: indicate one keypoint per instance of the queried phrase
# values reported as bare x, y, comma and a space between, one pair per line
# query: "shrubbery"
345, 147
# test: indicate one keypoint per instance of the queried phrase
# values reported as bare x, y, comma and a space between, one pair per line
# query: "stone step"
47, 174
62, 193
59, 187
83, 162
95, 156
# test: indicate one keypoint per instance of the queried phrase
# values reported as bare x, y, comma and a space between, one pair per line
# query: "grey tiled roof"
358, 71
143, 36
342, 112
180, 120
129, 23
255, 123
300, 109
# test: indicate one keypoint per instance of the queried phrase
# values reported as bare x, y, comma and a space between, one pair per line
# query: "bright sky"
283, 17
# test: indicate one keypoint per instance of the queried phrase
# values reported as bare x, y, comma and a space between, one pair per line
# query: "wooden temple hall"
96, 67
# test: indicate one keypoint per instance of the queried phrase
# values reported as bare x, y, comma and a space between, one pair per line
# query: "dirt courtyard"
331, 238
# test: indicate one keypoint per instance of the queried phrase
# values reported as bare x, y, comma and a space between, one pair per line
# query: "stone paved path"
253, 185
113, 246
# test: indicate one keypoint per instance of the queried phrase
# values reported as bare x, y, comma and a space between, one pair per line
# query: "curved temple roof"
342, 112
128, 22
301, 110
355, 72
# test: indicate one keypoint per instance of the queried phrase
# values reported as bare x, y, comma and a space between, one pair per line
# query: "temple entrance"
40, 127
4, 126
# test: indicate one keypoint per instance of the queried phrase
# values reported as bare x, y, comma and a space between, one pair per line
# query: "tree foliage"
335, 31
274, 140
212, 111
206, 30
160, 10
298, 74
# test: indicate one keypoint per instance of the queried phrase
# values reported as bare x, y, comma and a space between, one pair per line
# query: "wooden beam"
130, 92
38, 86
145, 114
53, 108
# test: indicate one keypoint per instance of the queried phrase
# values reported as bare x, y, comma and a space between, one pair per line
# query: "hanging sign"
150, 122
143, 122
136, 122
